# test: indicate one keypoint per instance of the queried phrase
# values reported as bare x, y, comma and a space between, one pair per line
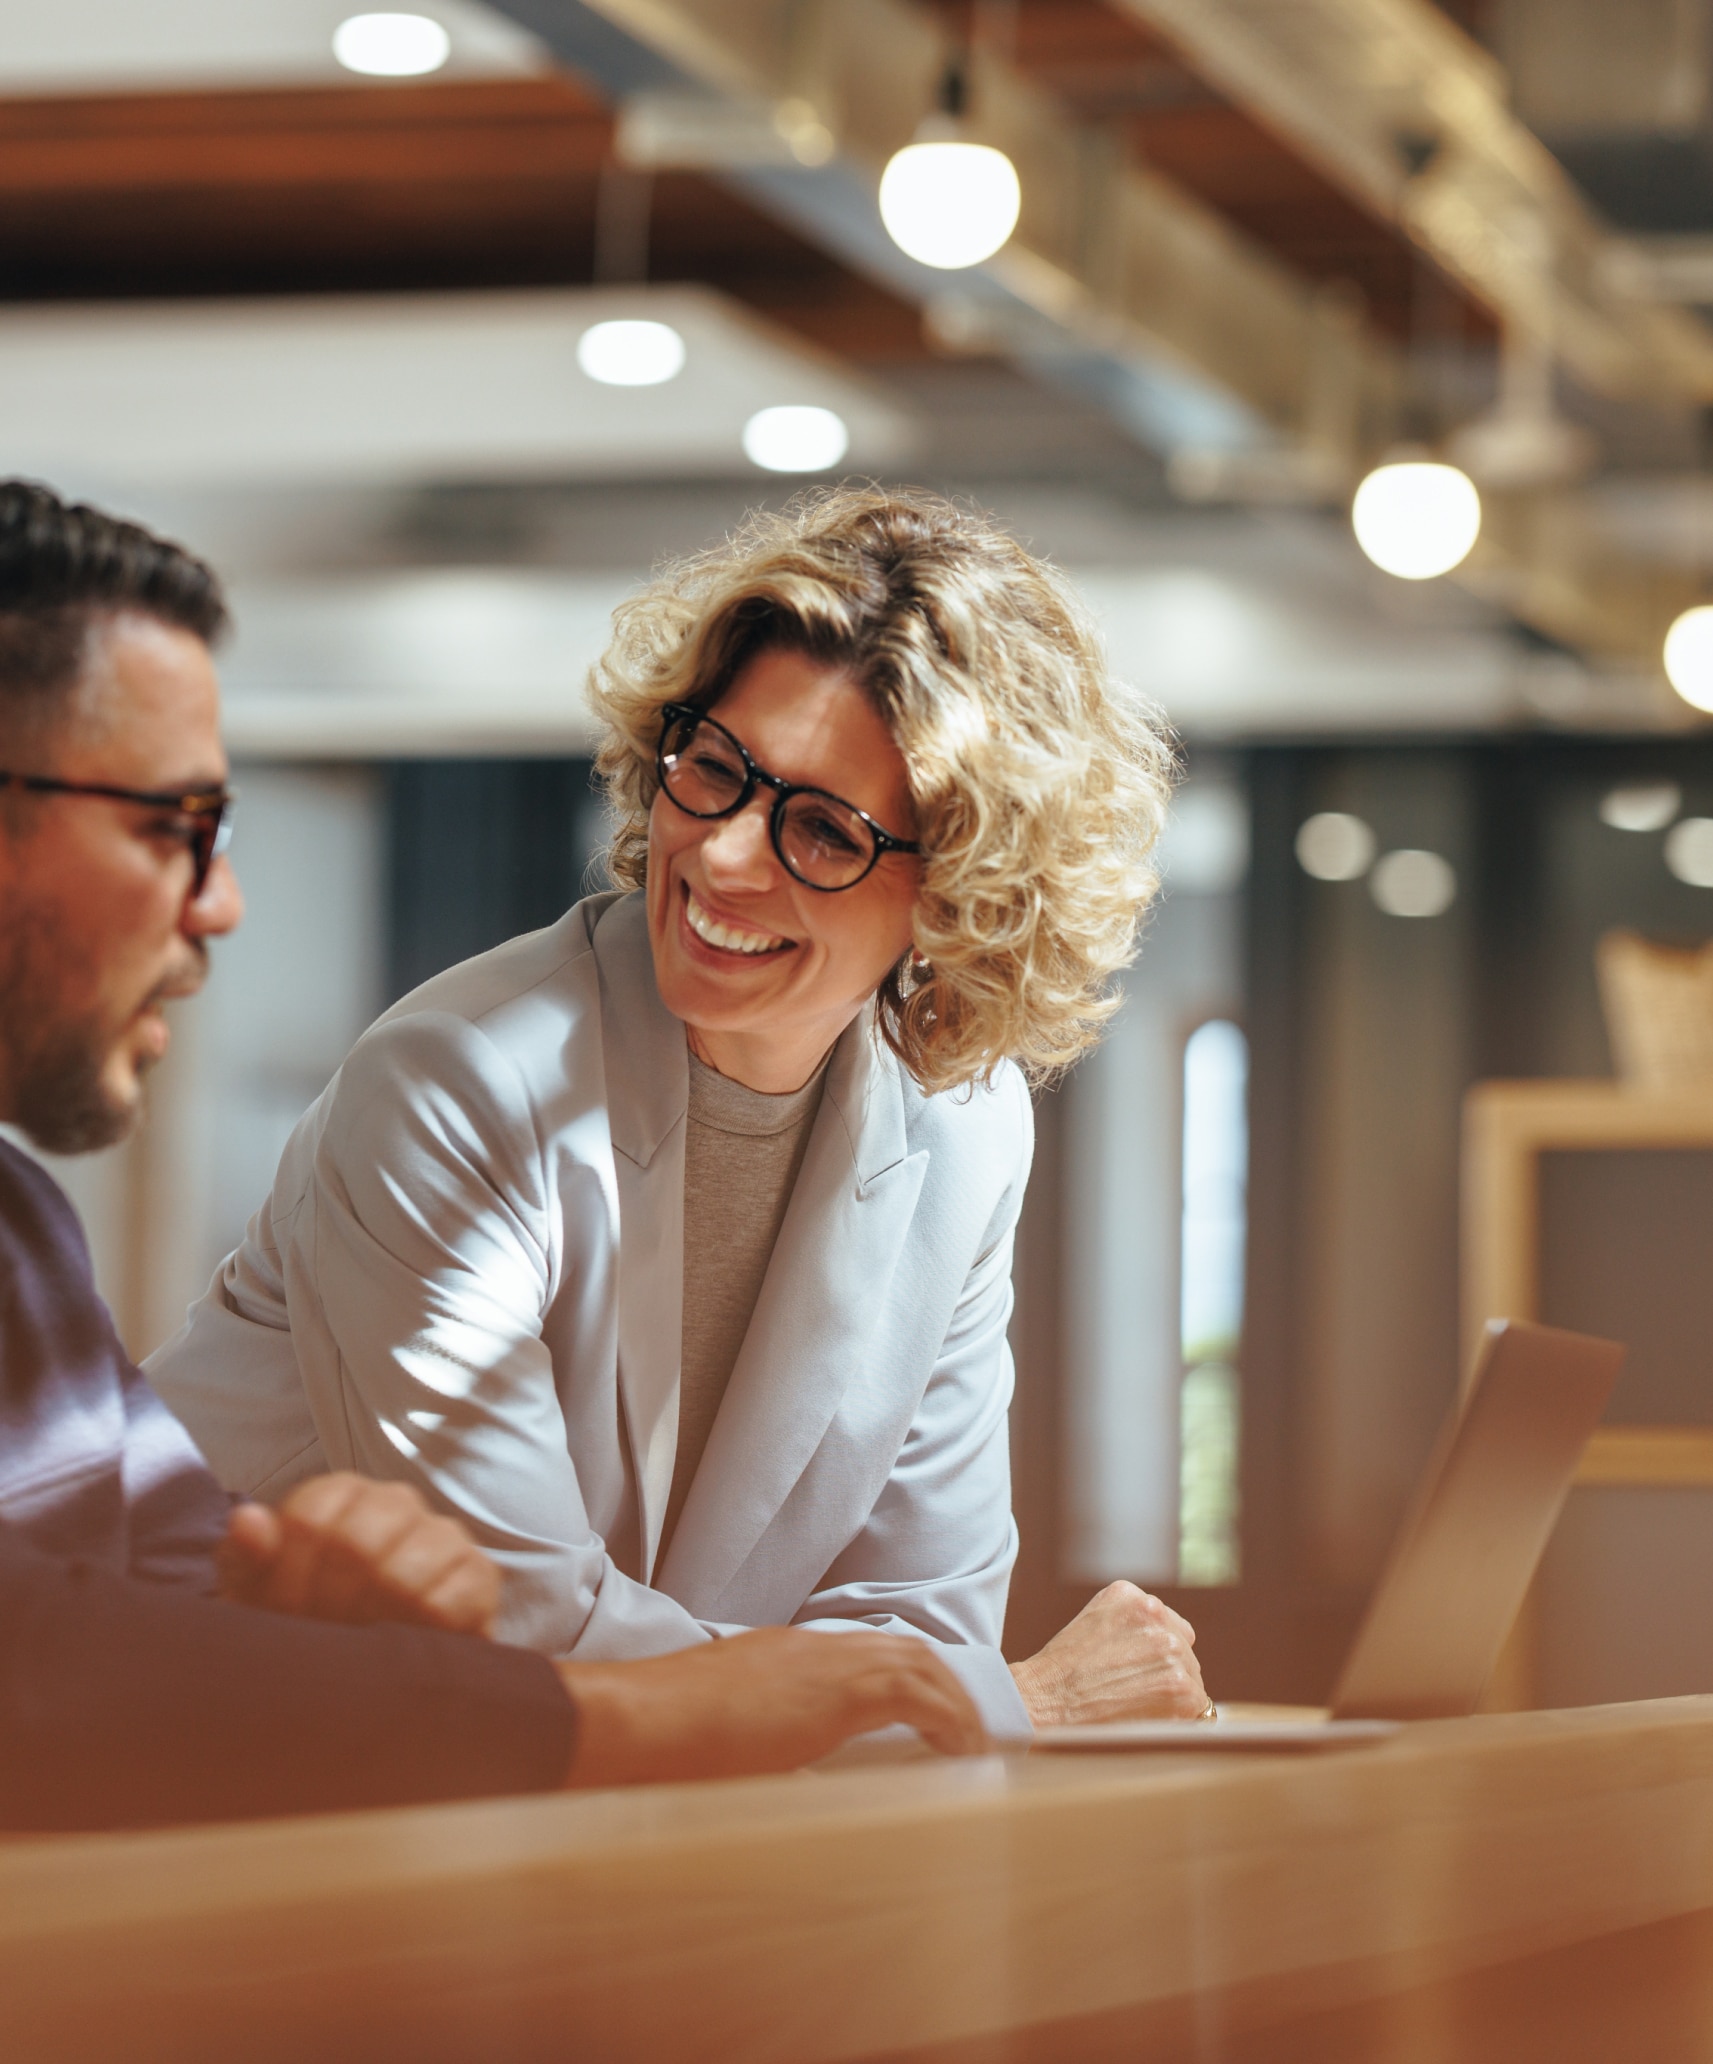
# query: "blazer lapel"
823, 1294
648, 1089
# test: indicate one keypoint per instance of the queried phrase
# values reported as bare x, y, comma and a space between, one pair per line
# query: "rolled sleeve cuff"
987, 1678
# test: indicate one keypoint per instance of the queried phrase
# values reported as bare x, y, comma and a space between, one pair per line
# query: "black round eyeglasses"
823, 841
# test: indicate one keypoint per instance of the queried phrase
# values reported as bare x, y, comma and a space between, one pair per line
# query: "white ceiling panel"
459, 661
475, 660
396, 389
121, 46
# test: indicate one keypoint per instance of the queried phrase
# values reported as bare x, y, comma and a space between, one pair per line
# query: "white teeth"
706, 926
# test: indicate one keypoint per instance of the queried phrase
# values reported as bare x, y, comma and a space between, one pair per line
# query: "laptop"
1462, 1561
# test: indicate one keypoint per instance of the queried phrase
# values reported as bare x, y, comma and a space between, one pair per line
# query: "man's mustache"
182, 981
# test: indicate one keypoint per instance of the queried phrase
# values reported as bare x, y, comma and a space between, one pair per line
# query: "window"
1213, 1226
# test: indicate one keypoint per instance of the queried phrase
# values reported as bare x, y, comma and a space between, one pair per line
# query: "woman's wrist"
1039, 1694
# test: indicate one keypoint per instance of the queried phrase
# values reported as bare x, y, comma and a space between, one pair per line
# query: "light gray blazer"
469, 1275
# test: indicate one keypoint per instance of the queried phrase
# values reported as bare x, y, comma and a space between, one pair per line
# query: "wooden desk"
1462, 1891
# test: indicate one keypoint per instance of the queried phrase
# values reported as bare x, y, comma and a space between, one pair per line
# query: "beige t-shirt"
742, 1151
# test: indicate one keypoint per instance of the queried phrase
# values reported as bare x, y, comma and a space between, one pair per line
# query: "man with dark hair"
128, 1692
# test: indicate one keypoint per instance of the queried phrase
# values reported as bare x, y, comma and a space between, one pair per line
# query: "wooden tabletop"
868, 1912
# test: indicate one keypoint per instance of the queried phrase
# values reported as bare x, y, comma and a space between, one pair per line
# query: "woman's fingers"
1126, 1656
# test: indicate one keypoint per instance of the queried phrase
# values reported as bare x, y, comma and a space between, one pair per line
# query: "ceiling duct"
1116, 283
1125, 288
1523, 443
1620, 90
1393, 101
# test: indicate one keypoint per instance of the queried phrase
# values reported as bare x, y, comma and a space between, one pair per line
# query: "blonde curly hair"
1040, 783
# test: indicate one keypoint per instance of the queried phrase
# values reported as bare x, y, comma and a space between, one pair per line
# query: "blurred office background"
325, 298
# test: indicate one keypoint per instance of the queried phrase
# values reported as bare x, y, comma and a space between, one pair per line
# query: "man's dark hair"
64, 567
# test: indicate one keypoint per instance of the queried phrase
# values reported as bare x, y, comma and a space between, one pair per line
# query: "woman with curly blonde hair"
670, 1247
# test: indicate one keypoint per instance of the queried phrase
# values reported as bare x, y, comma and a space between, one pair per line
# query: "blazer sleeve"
417, 1286
126, 1703
946, 1507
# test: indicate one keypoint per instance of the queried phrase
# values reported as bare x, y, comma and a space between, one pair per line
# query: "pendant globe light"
1415, 517
945, 201
1689, 656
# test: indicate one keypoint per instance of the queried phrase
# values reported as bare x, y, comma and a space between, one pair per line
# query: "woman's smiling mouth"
722, 934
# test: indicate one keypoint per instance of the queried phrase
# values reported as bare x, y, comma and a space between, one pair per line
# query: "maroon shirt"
91, 1462
127, 1695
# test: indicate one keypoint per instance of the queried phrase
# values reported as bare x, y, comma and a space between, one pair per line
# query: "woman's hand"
343, 1548
1124, 1657
765, 1701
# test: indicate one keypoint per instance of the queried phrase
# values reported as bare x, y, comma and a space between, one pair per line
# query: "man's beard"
54, 1068
58, 1098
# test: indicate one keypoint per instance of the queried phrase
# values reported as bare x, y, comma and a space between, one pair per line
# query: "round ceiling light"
1689, 656
1416, 519
631, 353
949, 204
391, 46
795, 440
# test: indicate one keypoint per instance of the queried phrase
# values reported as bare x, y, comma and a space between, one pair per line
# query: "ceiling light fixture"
391, 46
949, 204
1522, 442
1689, 656
1416, 519
631, 353
795, 439
945, 201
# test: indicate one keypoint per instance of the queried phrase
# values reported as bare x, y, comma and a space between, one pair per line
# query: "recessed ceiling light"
631, 353
795, 440
1416, 519
391, 46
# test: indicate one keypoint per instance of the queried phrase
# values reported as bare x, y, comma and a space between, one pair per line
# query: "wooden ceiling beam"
1114, 73
1404, 112
463, 184
1123, 261
527, 130
1109, 261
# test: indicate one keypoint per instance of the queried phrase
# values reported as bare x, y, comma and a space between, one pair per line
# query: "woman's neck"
767, 1065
